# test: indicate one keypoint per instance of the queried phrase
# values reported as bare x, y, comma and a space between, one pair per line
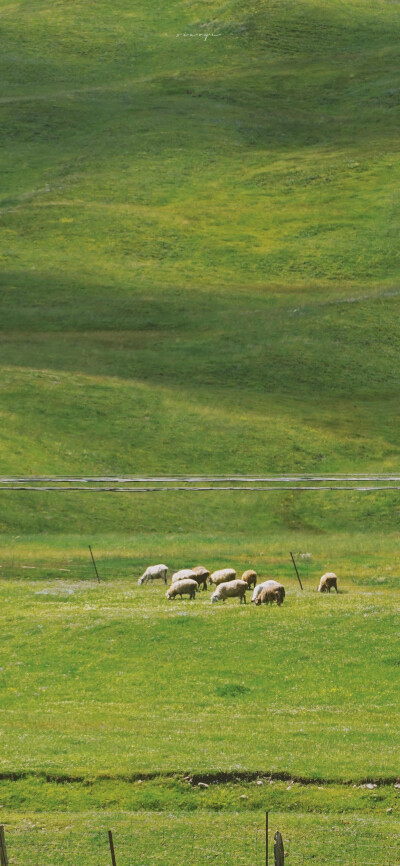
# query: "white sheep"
182, 587
183, 574
230, 589
269, 584
222, 576
328, 581
154, 572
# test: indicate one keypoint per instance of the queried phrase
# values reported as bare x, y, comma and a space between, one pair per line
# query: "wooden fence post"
94, 563
3, 849
278, 850
110, 839
296, 570
266, 839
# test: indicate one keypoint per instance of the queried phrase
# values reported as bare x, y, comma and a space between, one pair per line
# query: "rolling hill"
200, 261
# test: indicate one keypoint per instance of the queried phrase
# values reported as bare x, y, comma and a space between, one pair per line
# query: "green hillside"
200, 274
200, 261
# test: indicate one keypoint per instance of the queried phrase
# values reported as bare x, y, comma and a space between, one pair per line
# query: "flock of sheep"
188, 581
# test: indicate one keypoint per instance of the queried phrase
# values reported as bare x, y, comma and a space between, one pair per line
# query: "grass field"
200, 274
112, 678
116, 703
201, 837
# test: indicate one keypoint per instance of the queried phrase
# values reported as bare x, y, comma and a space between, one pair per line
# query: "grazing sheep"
328, 581
201, 575
250, 577
230, 589
154, 572
222, 576
183, 574
182, 587
270, 594
271, 584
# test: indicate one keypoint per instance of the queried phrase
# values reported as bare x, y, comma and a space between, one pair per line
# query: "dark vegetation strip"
194, 779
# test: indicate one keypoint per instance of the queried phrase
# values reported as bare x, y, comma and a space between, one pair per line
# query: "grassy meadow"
113, 679
199, 274
116, 704
201, 837
200, 269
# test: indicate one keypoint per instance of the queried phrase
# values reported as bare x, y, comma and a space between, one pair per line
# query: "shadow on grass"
293, 74
192, 339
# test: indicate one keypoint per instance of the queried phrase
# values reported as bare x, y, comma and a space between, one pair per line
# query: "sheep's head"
215, 597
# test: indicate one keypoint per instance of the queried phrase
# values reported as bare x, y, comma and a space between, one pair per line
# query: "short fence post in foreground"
266, 839
95, 566
110, 839
278, 850
3, 849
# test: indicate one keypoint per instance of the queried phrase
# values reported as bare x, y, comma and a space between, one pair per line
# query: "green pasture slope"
200, 255
199, 223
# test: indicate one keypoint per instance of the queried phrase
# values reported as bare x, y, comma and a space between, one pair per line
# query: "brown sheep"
270, 594
201, 575
271, 584
250, 577
327, 582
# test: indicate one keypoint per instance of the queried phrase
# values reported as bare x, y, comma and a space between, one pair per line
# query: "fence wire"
200, 483
144, 839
